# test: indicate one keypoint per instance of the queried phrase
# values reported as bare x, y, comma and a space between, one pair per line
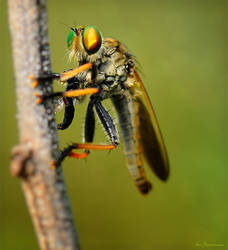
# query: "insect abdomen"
125, 108
137, 173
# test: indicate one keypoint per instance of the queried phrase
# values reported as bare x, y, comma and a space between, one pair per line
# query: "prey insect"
107, 70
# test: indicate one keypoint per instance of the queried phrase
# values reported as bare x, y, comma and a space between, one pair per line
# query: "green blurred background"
181, 47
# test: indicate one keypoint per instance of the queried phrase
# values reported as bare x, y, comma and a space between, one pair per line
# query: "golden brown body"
114, 73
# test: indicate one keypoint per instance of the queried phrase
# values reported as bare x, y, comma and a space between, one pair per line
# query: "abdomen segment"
127, 115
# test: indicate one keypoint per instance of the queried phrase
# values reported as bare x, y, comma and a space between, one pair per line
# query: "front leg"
68, 114
68, 93
72, 83
63, 77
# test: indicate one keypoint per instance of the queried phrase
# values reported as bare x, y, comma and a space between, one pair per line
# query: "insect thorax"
112, 68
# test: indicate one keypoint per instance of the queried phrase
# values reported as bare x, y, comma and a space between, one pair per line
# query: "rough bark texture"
43, 187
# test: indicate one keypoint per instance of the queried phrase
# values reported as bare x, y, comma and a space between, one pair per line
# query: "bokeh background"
181, 47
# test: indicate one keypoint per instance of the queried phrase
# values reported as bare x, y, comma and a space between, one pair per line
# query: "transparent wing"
153, 146
59, 103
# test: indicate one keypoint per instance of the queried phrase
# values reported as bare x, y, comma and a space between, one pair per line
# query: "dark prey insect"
107, 70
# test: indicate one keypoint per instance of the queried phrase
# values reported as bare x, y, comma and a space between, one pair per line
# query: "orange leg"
86, 146
94, 146
80, 92
69, 93
72, 73
63, 77
69, 152
78, 155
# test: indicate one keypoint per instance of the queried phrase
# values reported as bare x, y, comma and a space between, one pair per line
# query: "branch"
43, 187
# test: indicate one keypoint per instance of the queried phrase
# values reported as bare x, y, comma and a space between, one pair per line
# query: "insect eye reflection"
70, 38
91, 39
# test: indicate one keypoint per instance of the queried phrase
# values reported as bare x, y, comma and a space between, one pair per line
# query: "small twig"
43, 187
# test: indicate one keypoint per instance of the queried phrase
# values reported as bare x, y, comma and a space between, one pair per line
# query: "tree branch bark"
43, 187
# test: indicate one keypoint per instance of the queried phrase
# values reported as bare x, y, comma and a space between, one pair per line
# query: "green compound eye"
70, 38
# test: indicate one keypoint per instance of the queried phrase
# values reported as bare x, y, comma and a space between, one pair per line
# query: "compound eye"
70, 38
91, 39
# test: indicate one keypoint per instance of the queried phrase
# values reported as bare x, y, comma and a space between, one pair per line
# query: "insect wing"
153, 146
59, 103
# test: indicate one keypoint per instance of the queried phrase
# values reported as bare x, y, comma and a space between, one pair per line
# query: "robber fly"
107, 70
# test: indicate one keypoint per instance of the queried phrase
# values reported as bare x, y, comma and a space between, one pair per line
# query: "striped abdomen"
127, 111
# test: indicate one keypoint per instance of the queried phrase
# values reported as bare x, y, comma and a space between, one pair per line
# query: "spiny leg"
89, 127
108, 124
69, 110
68, 151
68, 114
37, 80
89, 123
68, 93
63, 77
105, 119
72, 83
72, 73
